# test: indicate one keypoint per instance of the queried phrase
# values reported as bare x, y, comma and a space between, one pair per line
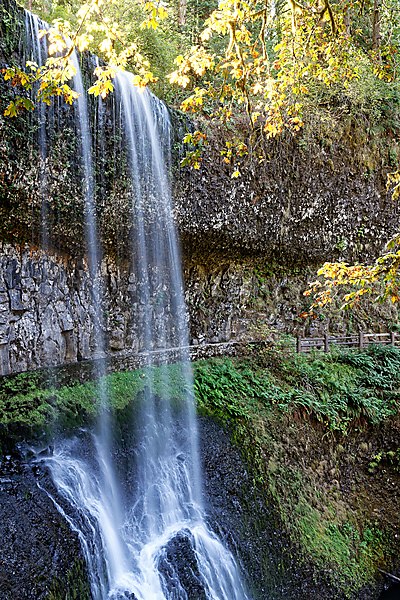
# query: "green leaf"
28, 104
11, 110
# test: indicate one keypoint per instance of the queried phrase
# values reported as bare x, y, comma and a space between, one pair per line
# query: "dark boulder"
126, 595
40, 557
179, 570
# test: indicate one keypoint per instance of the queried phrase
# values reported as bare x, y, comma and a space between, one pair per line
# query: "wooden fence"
360, 341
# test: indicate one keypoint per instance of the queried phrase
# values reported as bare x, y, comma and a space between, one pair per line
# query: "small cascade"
139, 549
143, 531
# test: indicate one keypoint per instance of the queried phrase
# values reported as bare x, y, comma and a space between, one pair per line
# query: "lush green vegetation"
34, 403
275, 393
337, 389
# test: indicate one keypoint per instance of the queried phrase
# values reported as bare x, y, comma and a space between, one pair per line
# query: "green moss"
10, 27
74, 588
335, 540
36, 403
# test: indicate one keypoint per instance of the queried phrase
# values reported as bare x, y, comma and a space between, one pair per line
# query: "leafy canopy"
268, 81
275, 59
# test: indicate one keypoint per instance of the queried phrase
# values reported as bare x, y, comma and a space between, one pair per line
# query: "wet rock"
11, 275
15, 300
47, 451
38, 551
126, 595
179, 569
392, 593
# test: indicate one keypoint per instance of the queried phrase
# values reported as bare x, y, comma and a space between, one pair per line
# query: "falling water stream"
147, 540
37, 52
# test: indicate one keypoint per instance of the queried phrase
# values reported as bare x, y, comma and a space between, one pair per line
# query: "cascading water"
147, 540
37, 52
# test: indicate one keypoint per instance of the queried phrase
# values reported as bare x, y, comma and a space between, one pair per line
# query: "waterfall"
145, 538
37, 52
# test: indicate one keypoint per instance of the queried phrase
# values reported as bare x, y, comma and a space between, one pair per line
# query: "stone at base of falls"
40, 557
179, 569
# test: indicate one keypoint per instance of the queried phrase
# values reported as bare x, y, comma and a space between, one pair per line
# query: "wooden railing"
359, 341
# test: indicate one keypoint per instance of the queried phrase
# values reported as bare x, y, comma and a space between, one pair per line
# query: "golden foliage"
314, 45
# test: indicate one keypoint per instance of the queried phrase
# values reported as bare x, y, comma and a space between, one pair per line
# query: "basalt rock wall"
298, 200
47, 316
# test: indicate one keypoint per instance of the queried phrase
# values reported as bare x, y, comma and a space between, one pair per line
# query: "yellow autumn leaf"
11, 110
106, 46
257, 88
82, 43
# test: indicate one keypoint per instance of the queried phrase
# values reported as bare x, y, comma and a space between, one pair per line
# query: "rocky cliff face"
299, 200
251, 526
47, 316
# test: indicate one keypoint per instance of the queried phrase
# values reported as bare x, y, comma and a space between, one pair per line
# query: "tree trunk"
376, 37
347, 24
181, 13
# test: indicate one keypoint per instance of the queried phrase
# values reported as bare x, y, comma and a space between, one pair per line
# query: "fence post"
392, 338
326, 341
298, 345
361, 340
